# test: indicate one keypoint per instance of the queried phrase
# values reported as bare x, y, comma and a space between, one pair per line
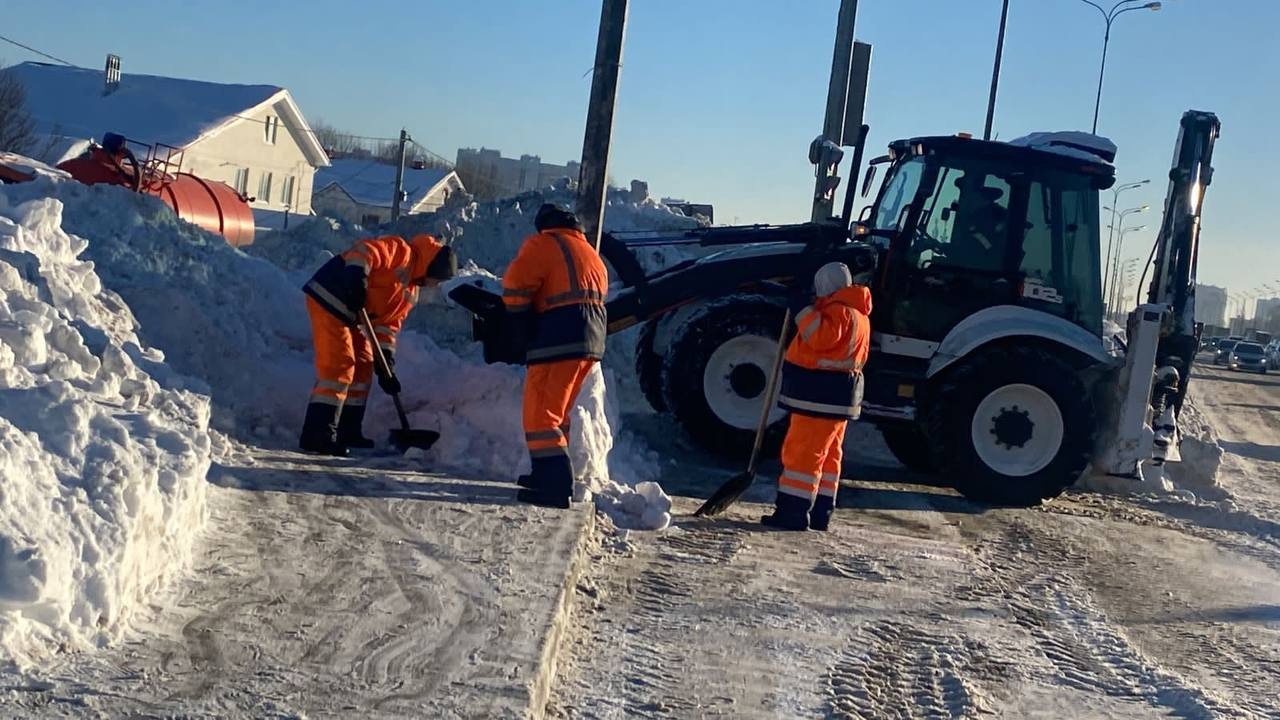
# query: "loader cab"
965, 225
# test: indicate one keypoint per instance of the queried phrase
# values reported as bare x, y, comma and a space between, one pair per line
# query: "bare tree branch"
17, 129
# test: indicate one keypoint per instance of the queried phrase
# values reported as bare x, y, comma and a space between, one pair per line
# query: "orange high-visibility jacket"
558, 282
389, 265
822, 372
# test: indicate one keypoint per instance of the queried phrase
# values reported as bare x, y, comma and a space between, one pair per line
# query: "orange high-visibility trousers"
550, 390
344, 360
811, 457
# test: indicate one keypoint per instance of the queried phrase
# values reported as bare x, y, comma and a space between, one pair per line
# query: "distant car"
1248, 356
1222, 355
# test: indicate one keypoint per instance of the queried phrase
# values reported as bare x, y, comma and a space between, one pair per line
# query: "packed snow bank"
101, 469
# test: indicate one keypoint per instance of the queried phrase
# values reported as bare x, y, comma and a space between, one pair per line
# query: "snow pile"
236, 324
101, 469
477, 410
1201, 454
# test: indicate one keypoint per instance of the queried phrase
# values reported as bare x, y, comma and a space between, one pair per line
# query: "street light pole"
995, 72
1115, 197
1109, 16
1115, 276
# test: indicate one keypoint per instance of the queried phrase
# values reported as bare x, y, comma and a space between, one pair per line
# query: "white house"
252, 137
360, 190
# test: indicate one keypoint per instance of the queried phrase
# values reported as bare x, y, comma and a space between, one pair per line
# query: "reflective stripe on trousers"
343, 359
550, 390
811, 456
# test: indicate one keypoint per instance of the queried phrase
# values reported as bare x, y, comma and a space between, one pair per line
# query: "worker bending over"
822, 389
381, 276
554, 294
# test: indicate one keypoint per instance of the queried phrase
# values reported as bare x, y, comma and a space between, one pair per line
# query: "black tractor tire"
909, 446
951, 424
686, 361
649, 367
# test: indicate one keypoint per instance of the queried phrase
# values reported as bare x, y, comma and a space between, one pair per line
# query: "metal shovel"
404, 437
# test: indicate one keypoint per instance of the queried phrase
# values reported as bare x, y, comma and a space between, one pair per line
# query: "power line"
28, 48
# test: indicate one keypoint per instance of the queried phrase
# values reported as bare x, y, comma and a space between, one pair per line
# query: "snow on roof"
30, 166
1072, 143
69, 101
370, 182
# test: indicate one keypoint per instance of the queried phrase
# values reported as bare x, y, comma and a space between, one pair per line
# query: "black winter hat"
553, 216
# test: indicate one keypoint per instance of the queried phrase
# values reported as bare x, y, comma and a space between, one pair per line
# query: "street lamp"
1110, 16
1115, 200
1115, 279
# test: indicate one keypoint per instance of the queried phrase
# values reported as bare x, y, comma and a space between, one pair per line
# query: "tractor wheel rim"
1017, 430
730, 380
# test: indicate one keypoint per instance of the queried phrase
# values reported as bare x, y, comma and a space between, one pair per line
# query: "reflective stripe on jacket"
822, 372
389, 264
559, 283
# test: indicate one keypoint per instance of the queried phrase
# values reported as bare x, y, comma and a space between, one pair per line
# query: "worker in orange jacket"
822, 389
381, 276
554, 293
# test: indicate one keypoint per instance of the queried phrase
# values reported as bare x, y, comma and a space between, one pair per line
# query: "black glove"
357, 293
390, 357
389, 383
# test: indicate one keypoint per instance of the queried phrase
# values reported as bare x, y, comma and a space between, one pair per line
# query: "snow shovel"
404, 437
732, 489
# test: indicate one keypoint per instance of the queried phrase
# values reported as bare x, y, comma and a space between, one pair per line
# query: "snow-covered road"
330, 588
922, 605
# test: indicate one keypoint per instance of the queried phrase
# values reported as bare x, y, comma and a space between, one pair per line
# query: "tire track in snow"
896, 670
654, 614
1032, 574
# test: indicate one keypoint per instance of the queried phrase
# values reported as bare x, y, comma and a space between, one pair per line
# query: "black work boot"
820, 515
349, 432
790, 513
318, 430
550, 484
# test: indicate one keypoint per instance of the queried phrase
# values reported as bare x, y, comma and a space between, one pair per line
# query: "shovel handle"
772, 388
383, 367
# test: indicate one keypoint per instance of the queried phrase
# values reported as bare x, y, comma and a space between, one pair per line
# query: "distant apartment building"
1211, 305
488, 175
1263, 310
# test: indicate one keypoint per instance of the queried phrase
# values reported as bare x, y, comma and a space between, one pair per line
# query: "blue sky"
720, 98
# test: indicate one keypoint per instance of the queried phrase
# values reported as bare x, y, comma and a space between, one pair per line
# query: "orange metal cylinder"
212, 205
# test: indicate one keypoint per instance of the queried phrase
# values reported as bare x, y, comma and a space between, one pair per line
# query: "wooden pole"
594, 174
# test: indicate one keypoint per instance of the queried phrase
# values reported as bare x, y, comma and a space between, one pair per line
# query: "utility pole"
399, 196
995, 72
846, 95
594, 174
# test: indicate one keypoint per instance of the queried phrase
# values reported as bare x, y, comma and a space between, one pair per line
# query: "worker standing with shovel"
822, 389
375, 283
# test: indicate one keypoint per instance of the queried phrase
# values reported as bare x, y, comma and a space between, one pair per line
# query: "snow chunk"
1072, 143
101, 470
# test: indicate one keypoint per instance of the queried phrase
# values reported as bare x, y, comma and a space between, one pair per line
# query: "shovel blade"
421, 439
726, 495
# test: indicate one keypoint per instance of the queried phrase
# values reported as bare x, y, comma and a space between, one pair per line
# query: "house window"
264, 188
242, 181
270, 128
370, 220
286, 191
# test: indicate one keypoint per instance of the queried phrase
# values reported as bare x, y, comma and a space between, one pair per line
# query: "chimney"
112, 75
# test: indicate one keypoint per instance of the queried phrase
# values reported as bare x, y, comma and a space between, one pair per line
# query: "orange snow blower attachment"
212, 205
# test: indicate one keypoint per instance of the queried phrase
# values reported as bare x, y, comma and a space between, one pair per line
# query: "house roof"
69, 101
370, 182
